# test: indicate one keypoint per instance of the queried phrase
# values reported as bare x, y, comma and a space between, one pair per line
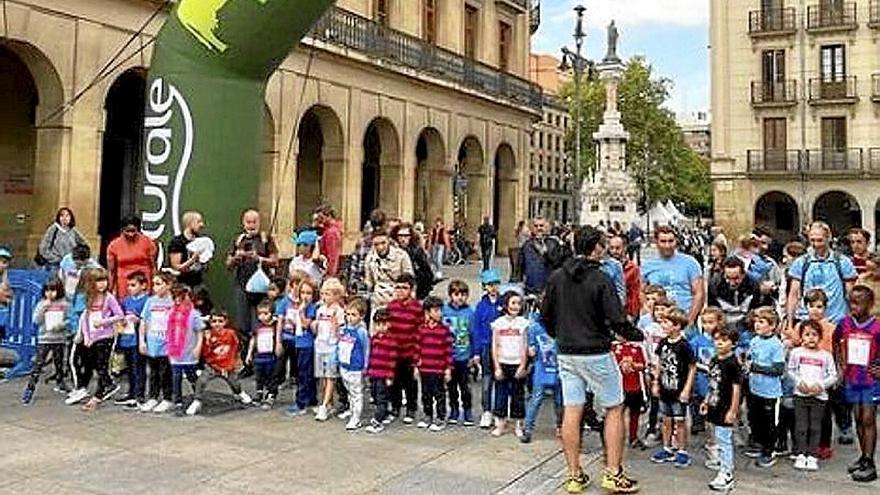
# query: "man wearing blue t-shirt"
820, 268
678, 273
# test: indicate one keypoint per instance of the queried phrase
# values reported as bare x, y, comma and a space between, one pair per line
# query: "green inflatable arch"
204, 111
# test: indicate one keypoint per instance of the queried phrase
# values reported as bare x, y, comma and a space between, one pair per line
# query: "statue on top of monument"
611, 56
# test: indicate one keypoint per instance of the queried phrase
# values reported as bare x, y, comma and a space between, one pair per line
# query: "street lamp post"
577, 64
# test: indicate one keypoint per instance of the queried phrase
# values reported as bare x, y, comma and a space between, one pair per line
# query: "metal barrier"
21, 334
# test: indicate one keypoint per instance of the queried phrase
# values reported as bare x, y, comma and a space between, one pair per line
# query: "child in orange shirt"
220, 352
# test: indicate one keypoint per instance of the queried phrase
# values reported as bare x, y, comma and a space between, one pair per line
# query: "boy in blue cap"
488, 309
307, 258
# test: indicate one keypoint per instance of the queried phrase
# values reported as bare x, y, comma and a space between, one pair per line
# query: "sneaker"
194, 408
713, 464
845, 437
353, 424
437, 426
663, 455
344, 414
268, 402
468, 419
408, 419
652, 439
781, 450
163, 407
486, 420
122, 401
453, 417
76, 396
526, 437
179, 410
149, 406
61, 388
723, 482
421, 424
812, 464
294, 411
859, 464
682, 459
866, 474
27, 396
577, 484
322, 414
110, 392
765, 461
638, 445
245, 398
753, 452
619, 483
374, 427
389, 419
800, 463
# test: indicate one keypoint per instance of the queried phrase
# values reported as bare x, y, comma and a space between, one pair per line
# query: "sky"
673, 35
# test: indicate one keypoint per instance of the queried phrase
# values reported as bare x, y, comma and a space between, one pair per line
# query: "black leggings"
97, 359
762, 421
160, 378
43, 351
808, 413
510, 395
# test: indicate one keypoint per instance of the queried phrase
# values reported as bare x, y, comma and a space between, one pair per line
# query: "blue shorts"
673, 409
597, 373
861, 395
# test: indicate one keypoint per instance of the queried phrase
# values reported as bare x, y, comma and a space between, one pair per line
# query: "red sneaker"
824, 453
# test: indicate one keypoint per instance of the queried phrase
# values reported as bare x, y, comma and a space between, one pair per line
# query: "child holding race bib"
295, 315
328, 321
262, 354
153, 344
49, 318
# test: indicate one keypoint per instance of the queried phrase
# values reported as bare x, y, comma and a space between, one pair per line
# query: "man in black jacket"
736, 294
582, 311
487, 242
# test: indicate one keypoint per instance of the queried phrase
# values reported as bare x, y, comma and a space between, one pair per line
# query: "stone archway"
472, 186
121, 152
433, 184
31, 95
778, 212
840, 210
380, 179
320, 171
269, 188
504, 196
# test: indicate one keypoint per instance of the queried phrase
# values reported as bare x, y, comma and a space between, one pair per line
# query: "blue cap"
490, 277
5, 253
306, 238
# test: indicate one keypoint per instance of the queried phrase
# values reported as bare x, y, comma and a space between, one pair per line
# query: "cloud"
632, 13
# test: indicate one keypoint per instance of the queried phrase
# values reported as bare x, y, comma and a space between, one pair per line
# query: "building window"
833, 63
833, 143
775, 143
505, 35
773, 74
471, 30
617, 208
540, 182
380, 11
429, 21
540, 140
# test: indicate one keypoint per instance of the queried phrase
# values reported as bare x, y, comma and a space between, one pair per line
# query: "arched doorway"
471, 186
19, 99
380, 179
777, 212
504, 196
268, 192
433, 180
121, 152
320, 172
840, 210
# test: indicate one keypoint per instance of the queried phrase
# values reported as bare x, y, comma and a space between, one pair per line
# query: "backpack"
810, 260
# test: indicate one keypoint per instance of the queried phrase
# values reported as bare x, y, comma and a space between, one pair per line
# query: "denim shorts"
673, 409
596, 373
861, 395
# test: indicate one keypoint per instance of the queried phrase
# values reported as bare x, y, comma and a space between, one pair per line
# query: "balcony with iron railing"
837, 90
774, 162
874, 14
518, 6
535, 16
350, 31
774, 93
847, 160
772, 22
832, 16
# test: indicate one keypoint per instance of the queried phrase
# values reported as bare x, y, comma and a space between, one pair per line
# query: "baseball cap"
490, 276
5, 253
306, 238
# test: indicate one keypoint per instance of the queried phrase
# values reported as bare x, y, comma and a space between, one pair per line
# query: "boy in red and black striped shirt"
380, 369
434, 363
405, 317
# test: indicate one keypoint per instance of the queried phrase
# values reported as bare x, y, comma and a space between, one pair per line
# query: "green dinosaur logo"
199, 17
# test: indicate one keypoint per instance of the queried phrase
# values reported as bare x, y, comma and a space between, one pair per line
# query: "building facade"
696, 127
421, 107
551, 182
795, 93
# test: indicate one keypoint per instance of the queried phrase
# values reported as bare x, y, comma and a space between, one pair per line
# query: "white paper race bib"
95, 319
345, 349
858, 350
292, 320
159, 323
54, 319
812, 374
265, 343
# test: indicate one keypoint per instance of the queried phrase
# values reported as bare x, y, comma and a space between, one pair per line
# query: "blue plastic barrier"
21, 335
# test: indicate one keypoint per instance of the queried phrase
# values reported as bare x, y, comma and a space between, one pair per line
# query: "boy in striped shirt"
434, 364
380, 370
405, 317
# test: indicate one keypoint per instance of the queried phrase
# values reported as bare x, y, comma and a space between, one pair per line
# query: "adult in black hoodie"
582, 311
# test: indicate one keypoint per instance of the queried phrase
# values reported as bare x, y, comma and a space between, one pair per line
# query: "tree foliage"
657, 155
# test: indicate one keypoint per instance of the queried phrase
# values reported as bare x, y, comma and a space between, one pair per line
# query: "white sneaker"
437, 426
163, 407
245, 398
423, 424
344, 414
812, 464
149, 405
194, 408
76, 396
486, 420
723, 482
353, 424
800, 462
374, 427
321, 415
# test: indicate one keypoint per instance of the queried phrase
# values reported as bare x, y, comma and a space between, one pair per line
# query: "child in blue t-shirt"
295, 316
545, 376
153, 345
127, 339
703, 348
766, 365
459, 317
354, 354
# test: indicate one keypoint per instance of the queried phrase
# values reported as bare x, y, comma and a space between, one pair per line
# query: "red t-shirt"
632, 381
221, 349
130, 257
